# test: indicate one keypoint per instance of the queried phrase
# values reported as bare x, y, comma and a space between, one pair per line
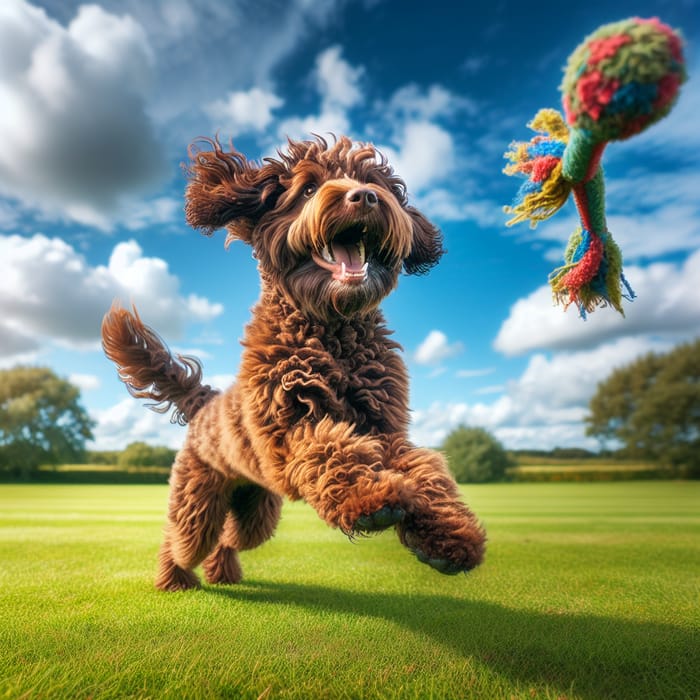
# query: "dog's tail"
149, 369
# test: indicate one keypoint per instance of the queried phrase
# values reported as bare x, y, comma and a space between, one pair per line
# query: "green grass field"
588, 591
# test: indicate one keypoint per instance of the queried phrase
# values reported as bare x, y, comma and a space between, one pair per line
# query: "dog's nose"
362, 197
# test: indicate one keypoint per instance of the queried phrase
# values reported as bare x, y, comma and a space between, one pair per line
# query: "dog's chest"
341, 376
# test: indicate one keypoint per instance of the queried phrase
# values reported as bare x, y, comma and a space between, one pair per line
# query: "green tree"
652, 407
41, 420
140, 454
474, 455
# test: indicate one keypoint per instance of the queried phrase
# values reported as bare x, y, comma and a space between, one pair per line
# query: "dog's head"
329, 223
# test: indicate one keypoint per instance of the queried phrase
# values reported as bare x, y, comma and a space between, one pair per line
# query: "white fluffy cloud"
409, 102
327, 122
423, 151
161, 210
667, 304
131, 421
435, 348
85, 382
338, 85
444, 205
74, 110
543, 408
15, 345
337, 81
425, 154
48, 292
242, 112
208, 48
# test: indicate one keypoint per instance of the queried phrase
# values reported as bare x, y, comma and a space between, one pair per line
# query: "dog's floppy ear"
226, 189
426, 249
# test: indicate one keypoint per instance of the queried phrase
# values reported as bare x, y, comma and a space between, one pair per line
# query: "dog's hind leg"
252, 519
223, 565
198, 502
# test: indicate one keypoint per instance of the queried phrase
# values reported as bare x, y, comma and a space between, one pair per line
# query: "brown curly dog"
319, 410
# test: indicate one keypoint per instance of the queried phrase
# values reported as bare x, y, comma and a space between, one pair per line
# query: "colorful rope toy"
620, 80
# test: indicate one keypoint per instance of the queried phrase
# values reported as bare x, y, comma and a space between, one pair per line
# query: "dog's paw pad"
444, 566
380, 520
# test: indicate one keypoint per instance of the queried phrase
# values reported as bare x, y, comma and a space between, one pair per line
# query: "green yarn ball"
623, 78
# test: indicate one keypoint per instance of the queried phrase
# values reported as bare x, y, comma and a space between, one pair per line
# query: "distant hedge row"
552, 474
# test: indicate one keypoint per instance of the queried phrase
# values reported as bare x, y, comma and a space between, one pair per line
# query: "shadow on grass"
591, 656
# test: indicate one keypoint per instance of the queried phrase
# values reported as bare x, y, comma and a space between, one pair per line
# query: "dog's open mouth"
345, 255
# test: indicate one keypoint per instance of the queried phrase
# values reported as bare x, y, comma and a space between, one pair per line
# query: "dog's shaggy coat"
319, 410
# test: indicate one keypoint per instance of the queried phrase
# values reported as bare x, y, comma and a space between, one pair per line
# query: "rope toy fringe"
620, 80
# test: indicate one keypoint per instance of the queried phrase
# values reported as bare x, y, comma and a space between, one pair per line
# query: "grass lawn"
588, 591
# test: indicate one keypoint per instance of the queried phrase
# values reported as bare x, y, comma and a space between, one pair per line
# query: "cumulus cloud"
544, 407
243, 111
425, 154
655, 214
85, 382
74, 110
154, 212
338, 86
435, 348
48, 291
446, 205
219, 381
422, 151
16, 344
667, 304
411, 103
240, 43
330, 121
131, 421
337, 81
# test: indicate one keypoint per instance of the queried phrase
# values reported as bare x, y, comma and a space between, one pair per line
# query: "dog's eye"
310, 189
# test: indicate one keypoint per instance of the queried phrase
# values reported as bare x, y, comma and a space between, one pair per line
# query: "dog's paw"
380, 520
444, 566
447, 554
222, 566
177, 579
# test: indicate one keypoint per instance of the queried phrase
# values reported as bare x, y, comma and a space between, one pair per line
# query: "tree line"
135, 454
648, 409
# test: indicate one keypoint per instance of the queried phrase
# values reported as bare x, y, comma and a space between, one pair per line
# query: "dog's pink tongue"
348, 254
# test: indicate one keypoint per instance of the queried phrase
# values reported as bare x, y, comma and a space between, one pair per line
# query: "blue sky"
100, 101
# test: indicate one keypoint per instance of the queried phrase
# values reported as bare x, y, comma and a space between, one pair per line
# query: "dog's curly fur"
319, 410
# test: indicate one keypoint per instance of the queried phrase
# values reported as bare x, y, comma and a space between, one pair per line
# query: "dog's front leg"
438, 527
342, 475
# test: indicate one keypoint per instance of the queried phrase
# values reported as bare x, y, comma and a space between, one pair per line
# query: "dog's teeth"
343, 272
327, 255
361, 249
365, 267
364, 229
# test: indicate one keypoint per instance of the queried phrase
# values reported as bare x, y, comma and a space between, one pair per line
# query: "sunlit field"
588, 591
